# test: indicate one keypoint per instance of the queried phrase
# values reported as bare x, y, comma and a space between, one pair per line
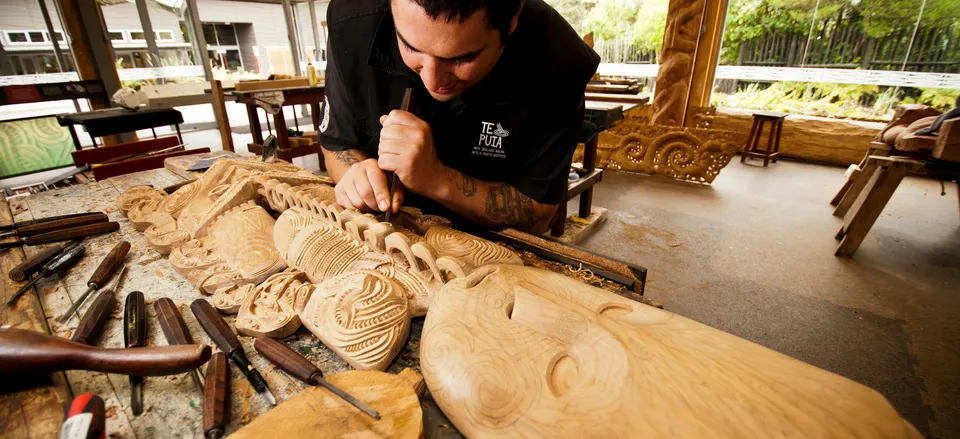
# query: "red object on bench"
104, 153
102, 172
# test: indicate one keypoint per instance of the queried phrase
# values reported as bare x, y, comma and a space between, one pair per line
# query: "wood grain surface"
520, 352
318, 413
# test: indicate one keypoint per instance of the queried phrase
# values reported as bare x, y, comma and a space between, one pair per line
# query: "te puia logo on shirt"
491, 135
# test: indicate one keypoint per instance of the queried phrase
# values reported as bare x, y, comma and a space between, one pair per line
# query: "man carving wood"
497, 108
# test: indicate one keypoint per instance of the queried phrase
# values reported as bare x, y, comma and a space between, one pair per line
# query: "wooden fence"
846, 46
618, 51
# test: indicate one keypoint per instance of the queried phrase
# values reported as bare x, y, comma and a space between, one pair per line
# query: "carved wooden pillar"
688, 59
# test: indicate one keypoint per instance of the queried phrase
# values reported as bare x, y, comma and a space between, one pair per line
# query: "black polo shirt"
518, 126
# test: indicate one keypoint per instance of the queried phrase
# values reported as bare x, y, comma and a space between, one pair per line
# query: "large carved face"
519, 352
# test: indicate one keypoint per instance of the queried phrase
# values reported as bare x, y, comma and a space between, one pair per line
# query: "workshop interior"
682, 219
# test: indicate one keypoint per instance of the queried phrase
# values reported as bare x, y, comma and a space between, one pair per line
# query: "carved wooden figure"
468, 248
244, 237
361, 315
271, 308
513, 351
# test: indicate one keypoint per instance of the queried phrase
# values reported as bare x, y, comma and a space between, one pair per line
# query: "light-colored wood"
318, 413
270, 308
576, 229
520, 352
361, 315
244, 237
273, 84
38, 411
856, 188
948, 141
871, 201
706, 57
220, 114
468, 248
179, 165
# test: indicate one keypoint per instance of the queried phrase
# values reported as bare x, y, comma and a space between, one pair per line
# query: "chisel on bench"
51, 226
176, 332
64, 235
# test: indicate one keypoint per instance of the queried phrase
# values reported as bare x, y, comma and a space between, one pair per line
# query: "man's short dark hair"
499, 12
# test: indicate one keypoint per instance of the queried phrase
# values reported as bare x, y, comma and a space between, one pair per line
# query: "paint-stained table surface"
172, 406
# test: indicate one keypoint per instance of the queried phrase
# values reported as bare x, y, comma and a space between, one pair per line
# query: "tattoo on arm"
347, 157
466, 184
506, 204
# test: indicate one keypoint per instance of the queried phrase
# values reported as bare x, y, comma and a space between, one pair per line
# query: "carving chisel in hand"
176, 332
135, 336
100, 276
216, 396
227, 341
43, 220
98, 312
302, 369
65, 234
35, 353
405, 106
59, 264
50, 226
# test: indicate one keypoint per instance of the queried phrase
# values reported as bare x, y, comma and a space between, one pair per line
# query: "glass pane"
225, 35
210, 34
59, 36
165, 35
137, 36
36, 37
116, 36
185, 32
233, 60
17, 37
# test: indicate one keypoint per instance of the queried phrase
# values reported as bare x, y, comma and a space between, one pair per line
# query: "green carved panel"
32, 145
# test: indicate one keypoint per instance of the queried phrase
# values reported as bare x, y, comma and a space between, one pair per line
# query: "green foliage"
611, 19
650, 24
866, 102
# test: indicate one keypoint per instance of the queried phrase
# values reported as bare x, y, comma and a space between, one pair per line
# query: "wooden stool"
752, 148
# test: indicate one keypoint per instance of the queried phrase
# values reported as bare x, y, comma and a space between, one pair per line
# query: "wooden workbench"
172, 406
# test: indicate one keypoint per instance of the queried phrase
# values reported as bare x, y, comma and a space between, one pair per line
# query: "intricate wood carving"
244, 237
514, 351
676, 61
270, 308
468, 248
362, 316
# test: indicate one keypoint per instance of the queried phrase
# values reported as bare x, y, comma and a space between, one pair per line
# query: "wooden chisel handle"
43, 220
51, 226
109, 265
216, 396
30, 352
215, 326
96, 315
34, 263
72, 233
287, 360
171, 322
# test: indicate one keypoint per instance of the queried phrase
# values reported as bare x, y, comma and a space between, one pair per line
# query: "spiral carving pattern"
468, 248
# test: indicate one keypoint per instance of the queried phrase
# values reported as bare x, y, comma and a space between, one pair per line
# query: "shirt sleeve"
547, 163
340, 128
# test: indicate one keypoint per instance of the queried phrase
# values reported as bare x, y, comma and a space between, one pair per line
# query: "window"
137, 36
17, 37
165, 35
116, 36
58, 35
36, 37
226, 35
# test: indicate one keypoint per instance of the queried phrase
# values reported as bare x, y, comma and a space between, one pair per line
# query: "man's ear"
516, 16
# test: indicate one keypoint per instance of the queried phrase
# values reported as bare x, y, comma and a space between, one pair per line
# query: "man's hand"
406, 148
365, 187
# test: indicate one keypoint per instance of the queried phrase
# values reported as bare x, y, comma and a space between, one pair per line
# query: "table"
172, 405
110, 121
291, 96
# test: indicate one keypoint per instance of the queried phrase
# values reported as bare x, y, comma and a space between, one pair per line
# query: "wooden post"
220, 112
688, 59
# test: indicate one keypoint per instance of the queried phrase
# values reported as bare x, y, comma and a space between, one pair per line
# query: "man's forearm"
338, 162
492, 203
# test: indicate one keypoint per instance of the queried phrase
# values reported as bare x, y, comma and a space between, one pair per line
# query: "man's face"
450, 57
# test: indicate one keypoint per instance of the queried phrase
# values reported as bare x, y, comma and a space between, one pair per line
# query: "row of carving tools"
28, 352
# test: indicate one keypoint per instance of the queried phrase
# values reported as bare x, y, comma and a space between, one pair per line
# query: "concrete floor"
753, 255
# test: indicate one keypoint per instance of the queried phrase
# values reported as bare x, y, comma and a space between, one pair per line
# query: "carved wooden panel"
270, 309
244, 237
513, 351
362, 316
468, 248
676, 61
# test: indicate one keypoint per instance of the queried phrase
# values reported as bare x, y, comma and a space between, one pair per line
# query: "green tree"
573, 11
